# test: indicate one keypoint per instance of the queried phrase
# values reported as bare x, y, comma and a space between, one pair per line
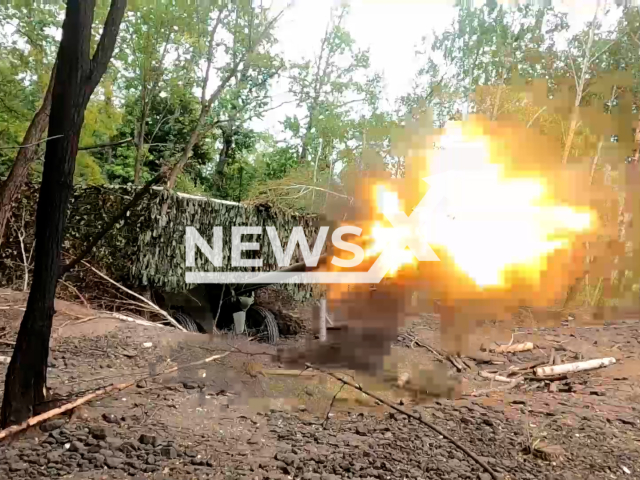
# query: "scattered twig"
457, 363
557, 378
31, 144
416, 417
126, 318
526, 367
87, 319
98, 393
414, 340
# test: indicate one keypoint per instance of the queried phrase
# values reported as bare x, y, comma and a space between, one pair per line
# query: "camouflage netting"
147, 249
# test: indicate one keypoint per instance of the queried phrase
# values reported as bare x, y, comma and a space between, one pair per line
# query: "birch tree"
581, 57
243, 43
329, 88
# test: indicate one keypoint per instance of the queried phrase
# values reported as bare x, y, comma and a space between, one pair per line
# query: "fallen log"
574, 367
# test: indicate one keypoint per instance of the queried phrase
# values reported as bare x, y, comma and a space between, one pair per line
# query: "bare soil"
231, 418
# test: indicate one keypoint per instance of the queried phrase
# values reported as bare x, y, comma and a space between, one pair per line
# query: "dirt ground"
233, 417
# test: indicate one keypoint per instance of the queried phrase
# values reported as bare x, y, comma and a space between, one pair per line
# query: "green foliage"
335, 89
26, 57
487, 46
481, 63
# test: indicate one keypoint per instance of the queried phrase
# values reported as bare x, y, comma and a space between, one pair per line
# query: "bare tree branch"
536, 116
107, 41
602, 51
106, 145
31, 144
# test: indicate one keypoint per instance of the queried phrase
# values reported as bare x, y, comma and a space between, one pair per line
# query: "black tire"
188, 323
261, 323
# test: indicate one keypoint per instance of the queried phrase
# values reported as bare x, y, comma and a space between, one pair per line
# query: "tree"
29, 27
329, 87
150, 33
169, 121
77, 76
10, 188
249, 26
246, 98
492, 48
589, 45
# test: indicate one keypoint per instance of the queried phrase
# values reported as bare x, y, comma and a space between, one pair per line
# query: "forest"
172, 94
186, 84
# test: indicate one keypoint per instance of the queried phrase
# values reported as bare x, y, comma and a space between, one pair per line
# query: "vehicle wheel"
262, 324
189, 324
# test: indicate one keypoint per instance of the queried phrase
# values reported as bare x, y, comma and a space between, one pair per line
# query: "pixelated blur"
517, 231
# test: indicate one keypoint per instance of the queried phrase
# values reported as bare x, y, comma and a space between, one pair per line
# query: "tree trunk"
25, 157
572, 131
140, 138
304, 151
184, 158
77, 76
225, 151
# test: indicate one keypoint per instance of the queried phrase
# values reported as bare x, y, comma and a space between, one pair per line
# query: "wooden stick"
456, 363
518, 347
574, 367
416, 417
557, 378
496, 377
98, 393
